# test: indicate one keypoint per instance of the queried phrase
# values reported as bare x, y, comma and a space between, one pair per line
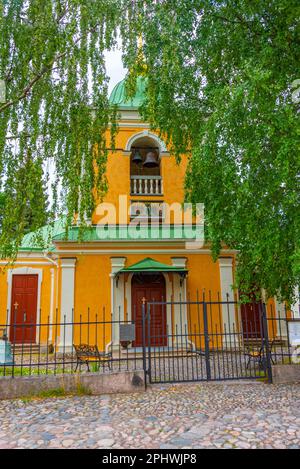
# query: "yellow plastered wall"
3, 296
118, 176
93, 291
92, 299
273, 325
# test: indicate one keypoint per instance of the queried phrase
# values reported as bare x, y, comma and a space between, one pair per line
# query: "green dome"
119, 98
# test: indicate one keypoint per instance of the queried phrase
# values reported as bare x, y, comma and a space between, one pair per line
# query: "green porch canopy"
150, 265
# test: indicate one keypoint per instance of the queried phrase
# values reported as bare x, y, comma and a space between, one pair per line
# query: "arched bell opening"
145, 167
144, 158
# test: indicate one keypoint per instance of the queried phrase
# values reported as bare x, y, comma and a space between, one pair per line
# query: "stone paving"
206, 415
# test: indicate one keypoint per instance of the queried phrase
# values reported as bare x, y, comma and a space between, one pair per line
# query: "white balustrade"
146, 185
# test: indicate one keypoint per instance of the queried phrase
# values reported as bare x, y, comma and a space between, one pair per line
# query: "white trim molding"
67, 303
280, 313
117, 263
142, 250
228, 310
51, 303
27, 262
24, 271
296, 305
179, 262
117, 296
163, 151
180, 296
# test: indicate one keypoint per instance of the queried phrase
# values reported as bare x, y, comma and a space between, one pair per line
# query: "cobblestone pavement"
208, 415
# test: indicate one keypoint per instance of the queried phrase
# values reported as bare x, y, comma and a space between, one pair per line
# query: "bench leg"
262, 364
272, 360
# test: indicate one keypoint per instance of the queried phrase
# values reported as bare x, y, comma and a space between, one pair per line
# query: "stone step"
22, 349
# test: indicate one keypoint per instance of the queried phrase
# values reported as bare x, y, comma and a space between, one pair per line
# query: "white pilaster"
280, 313
51, 303
179, 262
228, 310
67, 303
180, 310
296, 305
117, 296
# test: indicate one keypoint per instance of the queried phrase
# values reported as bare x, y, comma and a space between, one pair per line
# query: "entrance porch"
144, 282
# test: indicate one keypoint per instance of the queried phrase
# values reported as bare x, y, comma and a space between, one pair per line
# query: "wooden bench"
197, 352
86, 354
257, 355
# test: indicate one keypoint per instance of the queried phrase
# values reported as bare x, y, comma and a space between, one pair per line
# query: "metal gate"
205, 341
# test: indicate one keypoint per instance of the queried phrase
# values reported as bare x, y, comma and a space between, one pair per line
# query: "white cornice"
146, 133
25, 262
140, 251
225, 261
134, 124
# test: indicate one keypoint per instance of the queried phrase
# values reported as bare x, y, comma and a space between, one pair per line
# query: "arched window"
145, 175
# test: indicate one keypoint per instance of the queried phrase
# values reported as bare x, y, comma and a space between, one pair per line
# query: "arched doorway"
152, 287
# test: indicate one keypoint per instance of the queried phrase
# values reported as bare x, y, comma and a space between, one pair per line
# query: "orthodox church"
112, 271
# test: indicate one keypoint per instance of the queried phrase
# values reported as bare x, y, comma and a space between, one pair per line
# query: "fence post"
144, 340
206, 339
267, 343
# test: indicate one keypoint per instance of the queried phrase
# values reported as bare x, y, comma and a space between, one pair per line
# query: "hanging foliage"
56, 109
221, 83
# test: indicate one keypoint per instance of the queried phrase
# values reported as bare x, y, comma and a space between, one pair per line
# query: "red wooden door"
152, 288
23, 309
251, 322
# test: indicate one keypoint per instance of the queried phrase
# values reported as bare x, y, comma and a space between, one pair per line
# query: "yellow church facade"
108, 275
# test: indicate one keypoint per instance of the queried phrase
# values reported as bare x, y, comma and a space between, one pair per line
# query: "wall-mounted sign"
294, 333
127, 332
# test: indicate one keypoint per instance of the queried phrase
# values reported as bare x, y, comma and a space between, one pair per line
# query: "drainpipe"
47, 256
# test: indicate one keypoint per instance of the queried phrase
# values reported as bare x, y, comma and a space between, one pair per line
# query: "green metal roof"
128, 233
119, 98
41, 239
150, 265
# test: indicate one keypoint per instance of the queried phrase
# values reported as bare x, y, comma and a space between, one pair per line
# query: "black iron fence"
217, 340
174, 341
91, 343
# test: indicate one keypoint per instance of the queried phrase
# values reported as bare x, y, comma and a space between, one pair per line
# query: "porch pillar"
180, 310
67, 304
51, 304
117, 296
280, 313
296, 305
228, 310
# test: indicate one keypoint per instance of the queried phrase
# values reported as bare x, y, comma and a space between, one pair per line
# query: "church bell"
151, 160
137, 157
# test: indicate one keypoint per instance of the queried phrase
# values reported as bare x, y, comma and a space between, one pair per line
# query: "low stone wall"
93, 383
284, 374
